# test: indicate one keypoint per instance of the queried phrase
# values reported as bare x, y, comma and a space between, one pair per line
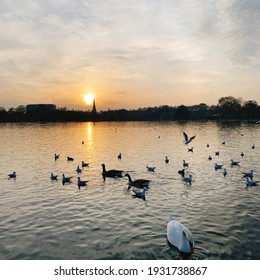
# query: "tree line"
227, 108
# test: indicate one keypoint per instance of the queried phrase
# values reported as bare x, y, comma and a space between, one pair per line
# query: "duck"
188, 179
225, 172
66, 179
218, 166
139, 183
253, 146
181, 172
84, 164
249, 174
208, 145
234, 163
70, 158
150, 168
78, 169
56, 156
54, 177
224, 142
12, 175
242, 154
82, 183
185, 164
140, 193
166, 160
251, 183
187, 140
180, 236
217, 153
113, 173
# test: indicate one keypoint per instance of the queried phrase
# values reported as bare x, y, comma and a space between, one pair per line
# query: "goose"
224, 142
119, 156
182, 172
78, 169
70, 158
113, 173
251, 183
66, 179
81, 183
225, 172
187, 140
139, 183
217, 153
248, 174
218, 166
253, 146
234, 163
151, 169
56, 156
185, 164
179, 236
242, 154
188, 179
12, 175
84, 164
210, 158
140, 193
190, 149
166, 160
54, 177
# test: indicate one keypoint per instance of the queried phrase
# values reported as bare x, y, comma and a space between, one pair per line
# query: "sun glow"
88, 98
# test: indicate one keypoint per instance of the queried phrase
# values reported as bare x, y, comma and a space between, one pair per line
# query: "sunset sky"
128, 53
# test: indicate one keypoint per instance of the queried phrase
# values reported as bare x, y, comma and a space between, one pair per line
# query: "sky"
130, 54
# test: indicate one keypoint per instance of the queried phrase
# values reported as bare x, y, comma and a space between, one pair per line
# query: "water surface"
41, 219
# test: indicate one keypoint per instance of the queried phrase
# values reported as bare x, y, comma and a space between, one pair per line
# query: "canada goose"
113, 173
139, 183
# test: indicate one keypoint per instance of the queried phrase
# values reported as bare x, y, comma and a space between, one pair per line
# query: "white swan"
179, 236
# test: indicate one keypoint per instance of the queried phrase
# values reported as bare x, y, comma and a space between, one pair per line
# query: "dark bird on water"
139, 183
112, 173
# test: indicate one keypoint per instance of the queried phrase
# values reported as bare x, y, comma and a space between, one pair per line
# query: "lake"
44, 219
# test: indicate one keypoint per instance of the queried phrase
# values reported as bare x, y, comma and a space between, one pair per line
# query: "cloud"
145, 46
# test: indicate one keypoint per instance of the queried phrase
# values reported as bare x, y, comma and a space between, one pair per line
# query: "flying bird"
187, 140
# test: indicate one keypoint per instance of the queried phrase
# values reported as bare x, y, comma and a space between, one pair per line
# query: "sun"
88, 98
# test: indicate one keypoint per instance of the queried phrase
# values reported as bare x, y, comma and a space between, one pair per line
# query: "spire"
94, 109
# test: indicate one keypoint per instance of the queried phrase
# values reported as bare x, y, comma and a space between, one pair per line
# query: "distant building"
94, 109
40, 107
